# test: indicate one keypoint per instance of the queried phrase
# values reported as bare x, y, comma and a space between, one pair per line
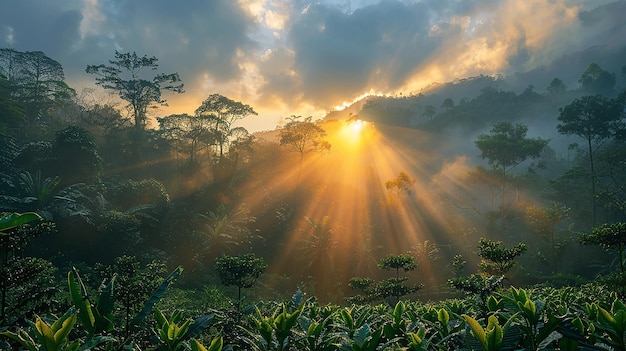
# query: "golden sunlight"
338, 215
357, 126
354, 132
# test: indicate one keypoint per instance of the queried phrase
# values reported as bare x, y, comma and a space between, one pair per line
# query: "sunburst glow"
357, 126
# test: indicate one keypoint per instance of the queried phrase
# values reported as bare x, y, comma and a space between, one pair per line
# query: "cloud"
300, 57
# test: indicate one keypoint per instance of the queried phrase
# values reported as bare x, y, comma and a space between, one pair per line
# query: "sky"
307, 58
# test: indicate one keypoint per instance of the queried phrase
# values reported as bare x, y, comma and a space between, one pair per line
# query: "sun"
353, 133
357, 126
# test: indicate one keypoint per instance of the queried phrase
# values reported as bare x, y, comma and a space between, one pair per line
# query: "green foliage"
497, 259
240, 271
216, 345
133, 283
609, 236
393, 287
507, 145
170, 334
274, 331
97, 316
405, 262
45, 336
478, 285
75, 156
596, 80
26, 283
9, 221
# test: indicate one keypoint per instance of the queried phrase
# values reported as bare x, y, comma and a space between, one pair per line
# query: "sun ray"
345, 189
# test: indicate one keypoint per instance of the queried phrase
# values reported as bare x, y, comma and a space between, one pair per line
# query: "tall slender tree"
595, 119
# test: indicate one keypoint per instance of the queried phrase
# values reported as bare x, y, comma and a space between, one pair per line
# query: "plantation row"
120, 315
588, 317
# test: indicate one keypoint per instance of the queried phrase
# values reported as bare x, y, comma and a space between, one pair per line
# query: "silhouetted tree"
240, 271
35, 81
595, 119
401, 183
123, 75
222, 113
303, 136
595, 80
505, 147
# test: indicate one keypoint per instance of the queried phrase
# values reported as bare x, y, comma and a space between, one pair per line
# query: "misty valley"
474, 215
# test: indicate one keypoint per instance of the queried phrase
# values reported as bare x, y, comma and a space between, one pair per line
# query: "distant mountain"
511, 97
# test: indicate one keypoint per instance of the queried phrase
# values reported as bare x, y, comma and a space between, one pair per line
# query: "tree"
133, 283
429, 111
556, 88
595, 80
401, 183
122, 75
35, 80
447, 104
188, 134
544, 221
595, 119
12, 113
240, 271
392, 287
609, 236
223, 113
496, 258
506, 147
303, 136
74, 156
318, 248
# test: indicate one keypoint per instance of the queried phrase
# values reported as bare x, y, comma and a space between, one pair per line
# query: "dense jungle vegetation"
457, 218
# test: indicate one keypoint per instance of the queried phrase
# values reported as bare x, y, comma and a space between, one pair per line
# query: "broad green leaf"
46, 335
443, 316
196, 345
199, 325
22, 338
398, 311
61, 334
106, 300
81, 302
494, 333
478, 330
156, 296
216, 344
12, 220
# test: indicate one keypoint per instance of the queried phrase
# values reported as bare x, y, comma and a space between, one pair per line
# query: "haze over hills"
507, 92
